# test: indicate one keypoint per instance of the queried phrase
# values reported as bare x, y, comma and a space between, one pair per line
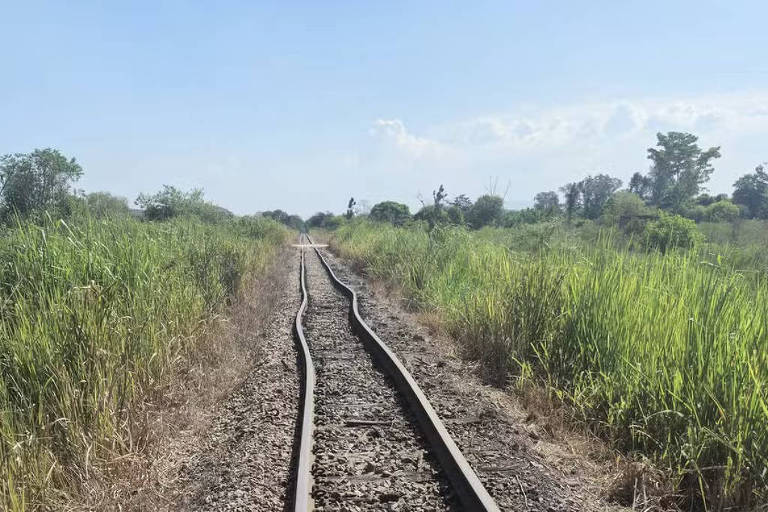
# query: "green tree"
548, 202
595, 192
36, 182
572, 194
439, 196
721, 211
672, 231
641, 186
104, 204
679, 169
486, 211
318, 220
390, 211
172, 202
751, 191
462, 202
433, 215
351, 207
455, 214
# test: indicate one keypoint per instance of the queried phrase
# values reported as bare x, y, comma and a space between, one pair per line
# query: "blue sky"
298, 105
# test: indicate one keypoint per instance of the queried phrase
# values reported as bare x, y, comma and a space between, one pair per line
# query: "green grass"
94, 314
665, 355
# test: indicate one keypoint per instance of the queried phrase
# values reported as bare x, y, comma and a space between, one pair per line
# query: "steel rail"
466, 484
302, 498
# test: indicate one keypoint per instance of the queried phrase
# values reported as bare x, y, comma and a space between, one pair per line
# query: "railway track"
368, 437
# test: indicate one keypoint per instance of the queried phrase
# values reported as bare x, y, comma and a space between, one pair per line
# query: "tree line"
674, 185
41, 183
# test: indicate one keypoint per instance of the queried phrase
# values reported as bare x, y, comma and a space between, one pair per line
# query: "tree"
672, 231
547, 201
721, 211
351, 208
641, 186
433, 215
292, 221
628, 212
679, 169
455, 215
318, 219
462, 202
104, 204
595, 192
35, 182
751, 191
172, 202
486, 211
390, 211
438, 196
572, 194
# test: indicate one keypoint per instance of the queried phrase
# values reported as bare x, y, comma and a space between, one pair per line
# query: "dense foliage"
93, 314
662, 352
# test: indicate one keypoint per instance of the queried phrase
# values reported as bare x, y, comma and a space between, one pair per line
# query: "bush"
172, 202
104, 204
721, 211
433, 215
671, 232
486, 211
628, 212
390, 211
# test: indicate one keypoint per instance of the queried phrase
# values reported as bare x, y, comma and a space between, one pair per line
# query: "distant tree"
390, 211
438, 196
462, 202
486, 211
751, 191
104, 204
721, 211
173, 202
672, 231
679, 169
433, 215
351, 207
36, 182
278, 215
547, 201
292, 221
295, 222
572, 193
641, 186
456, 215
595, 192
628, 212
318, 220
512, 218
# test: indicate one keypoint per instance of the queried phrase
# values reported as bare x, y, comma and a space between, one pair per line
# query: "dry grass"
180, 412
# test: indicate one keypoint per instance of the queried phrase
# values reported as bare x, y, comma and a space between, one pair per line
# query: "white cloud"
540, 149
394, 131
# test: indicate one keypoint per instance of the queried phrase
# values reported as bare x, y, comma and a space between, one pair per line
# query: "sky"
300, 105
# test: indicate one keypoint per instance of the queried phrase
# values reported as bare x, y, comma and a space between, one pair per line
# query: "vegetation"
644, 309
98, 308
390, 211
35, 182
665, 353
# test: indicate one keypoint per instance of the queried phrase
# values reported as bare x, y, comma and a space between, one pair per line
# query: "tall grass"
665, 355
93, 315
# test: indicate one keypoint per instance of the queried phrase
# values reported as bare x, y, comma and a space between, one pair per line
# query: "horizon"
300, 107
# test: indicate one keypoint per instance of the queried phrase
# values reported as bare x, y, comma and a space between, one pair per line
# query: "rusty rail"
302, 497
466, 484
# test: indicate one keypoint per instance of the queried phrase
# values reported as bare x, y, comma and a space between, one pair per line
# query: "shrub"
670, 232
721, 211
390, 211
